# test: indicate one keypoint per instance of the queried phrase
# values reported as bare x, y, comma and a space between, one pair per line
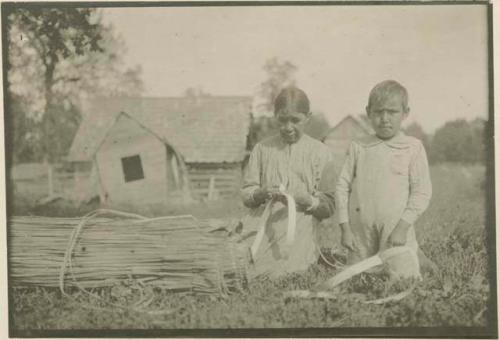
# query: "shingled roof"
205, 129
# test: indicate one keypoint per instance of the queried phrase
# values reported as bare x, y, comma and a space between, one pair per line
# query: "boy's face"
291, 125
386, 115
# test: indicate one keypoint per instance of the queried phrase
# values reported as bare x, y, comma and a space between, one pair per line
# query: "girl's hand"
303, 201
347, 239
276, 194
399, 234
261, 195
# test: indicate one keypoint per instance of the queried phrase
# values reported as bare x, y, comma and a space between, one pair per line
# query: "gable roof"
361, 120
206, 129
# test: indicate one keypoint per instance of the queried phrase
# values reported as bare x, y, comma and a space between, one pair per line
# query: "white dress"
299, 167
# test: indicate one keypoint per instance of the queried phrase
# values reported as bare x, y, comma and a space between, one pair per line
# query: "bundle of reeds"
177, 253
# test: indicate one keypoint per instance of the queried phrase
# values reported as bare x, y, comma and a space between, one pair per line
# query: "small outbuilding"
151, 150
340, 136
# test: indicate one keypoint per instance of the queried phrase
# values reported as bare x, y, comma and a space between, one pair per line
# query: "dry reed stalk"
353, 270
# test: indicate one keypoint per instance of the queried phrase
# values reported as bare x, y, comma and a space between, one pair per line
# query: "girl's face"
291, 125
386, 116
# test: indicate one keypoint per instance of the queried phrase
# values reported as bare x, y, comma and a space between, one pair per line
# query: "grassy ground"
452, 233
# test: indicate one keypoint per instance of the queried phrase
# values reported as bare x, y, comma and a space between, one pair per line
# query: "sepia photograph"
249, 169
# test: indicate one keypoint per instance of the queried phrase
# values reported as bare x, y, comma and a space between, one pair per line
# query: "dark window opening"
132, 168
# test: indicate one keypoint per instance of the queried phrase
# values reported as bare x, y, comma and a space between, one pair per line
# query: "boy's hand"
347, 239
399, 234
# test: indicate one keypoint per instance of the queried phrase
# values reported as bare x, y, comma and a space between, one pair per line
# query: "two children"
383, 187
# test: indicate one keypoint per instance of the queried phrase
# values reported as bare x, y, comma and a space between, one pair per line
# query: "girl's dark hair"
291, 99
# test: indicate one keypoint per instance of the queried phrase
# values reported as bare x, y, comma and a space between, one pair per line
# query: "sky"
438, 52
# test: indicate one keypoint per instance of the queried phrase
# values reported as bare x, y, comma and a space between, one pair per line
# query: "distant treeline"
456, 141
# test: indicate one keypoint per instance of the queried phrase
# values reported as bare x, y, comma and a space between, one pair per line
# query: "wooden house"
150, 150
340, 136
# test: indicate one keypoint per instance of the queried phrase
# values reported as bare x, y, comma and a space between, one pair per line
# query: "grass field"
452, 233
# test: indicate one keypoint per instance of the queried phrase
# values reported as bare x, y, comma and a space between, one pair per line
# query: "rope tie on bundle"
68, 264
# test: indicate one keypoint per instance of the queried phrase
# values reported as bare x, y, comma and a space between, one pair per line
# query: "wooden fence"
213, 184
204, 183
32, 180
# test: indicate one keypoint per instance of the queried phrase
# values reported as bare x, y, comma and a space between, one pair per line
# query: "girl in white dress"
297, 163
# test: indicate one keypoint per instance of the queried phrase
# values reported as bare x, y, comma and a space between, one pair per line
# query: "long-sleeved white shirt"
303, 166
383, 181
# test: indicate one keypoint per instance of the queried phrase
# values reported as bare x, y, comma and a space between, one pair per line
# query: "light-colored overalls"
381, 182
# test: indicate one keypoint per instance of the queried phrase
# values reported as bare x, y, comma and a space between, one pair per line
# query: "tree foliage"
56, 59
279, 74
195, 91
459, 141
24, 133
318, 126
415, 130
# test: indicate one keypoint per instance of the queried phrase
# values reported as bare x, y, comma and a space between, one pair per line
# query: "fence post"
50, 179
211, 188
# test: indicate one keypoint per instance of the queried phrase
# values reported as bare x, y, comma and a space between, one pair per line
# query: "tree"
25, 141
100, 73
459, 141
54, 35
261, 127
416, 130
194, 92
480, 141
58, 58
317, 126
279, 75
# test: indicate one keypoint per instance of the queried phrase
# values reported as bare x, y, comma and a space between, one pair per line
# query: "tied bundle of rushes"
175, 253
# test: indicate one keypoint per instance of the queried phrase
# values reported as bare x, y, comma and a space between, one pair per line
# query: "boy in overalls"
384, 185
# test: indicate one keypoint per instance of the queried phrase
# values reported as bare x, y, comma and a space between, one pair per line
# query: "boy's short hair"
291, 99
387, 88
